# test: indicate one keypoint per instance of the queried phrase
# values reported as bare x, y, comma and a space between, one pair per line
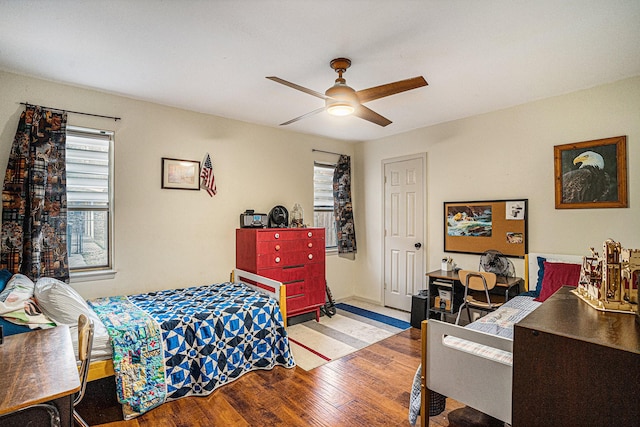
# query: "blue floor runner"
400, 324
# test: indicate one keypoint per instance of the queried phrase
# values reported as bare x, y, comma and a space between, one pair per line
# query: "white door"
404, 225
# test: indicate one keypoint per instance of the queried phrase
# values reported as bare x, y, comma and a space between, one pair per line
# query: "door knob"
418, 245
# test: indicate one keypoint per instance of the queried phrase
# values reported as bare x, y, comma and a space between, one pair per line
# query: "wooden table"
39, 367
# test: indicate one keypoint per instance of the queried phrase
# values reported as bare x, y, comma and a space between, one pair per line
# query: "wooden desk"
511, 286
39, 367
575, 366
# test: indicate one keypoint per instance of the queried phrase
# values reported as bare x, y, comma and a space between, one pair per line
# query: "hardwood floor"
370, 387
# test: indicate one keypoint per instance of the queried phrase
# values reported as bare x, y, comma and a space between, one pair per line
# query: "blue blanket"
211, 335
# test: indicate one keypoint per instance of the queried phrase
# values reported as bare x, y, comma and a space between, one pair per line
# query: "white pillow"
18, 290
61, 302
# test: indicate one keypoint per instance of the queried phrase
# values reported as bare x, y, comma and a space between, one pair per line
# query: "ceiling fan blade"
319, 110
298, 87
370, 115
366, 95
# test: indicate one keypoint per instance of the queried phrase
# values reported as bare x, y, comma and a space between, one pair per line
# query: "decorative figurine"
297, 220
610, 282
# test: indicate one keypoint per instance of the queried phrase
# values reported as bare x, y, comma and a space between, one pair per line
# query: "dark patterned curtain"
34, 198
342, 207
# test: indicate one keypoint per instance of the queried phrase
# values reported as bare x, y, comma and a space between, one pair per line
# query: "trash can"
419, 307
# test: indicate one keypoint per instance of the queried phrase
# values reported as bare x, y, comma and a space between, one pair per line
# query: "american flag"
208, 180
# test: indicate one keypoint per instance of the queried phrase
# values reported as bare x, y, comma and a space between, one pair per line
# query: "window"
89, 200
323, 202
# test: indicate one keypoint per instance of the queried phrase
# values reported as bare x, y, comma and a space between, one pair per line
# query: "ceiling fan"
342, 100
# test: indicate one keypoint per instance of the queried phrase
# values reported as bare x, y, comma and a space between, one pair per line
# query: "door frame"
417, 156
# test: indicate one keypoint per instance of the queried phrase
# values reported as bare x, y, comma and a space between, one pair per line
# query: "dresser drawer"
276, 234
295, 272
285, 274
296, 289
284, 259
297, 304
287, 246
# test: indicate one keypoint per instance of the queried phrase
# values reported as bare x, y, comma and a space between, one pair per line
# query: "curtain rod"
327, 152
74, 112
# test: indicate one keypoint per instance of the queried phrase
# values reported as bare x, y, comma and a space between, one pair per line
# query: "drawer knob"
277, 235
310, 244
277, 259
310, 256
310, 234
277, 247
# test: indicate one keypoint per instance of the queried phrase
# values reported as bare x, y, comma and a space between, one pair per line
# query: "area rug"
350, 329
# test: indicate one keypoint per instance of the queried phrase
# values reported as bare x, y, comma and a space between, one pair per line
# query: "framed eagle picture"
591, 174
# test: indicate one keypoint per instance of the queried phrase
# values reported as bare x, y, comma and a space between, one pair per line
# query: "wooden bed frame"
104, 368
478, 382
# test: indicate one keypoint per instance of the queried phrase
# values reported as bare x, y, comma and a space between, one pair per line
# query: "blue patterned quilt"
211, 335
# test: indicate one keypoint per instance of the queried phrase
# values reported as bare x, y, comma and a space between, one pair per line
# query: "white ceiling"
213, 56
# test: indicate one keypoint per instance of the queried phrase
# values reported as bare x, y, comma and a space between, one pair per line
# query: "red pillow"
557, 275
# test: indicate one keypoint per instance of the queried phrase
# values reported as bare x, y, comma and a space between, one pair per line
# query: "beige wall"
503, 155
174, 238
171, 238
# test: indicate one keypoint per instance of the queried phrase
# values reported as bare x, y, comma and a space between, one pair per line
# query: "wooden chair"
85, 343
477, 286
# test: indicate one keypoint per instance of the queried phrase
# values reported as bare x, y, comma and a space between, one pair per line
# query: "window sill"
88, 276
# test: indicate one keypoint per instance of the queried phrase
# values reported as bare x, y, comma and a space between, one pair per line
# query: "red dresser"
293, 256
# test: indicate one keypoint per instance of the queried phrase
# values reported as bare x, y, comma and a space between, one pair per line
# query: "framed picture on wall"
591, 174
180, 174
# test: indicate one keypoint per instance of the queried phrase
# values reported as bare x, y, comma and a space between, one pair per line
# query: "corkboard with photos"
478, 226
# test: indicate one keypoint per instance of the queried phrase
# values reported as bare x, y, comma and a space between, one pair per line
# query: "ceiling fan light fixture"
340, 109
341, 99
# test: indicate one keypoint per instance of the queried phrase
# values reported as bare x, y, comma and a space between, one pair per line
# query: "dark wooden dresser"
576, 366
293, 256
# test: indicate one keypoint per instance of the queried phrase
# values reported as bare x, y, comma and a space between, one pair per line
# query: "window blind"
88, 169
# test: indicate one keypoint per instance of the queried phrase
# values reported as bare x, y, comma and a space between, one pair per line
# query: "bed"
102, 363
170, 344
473, 364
